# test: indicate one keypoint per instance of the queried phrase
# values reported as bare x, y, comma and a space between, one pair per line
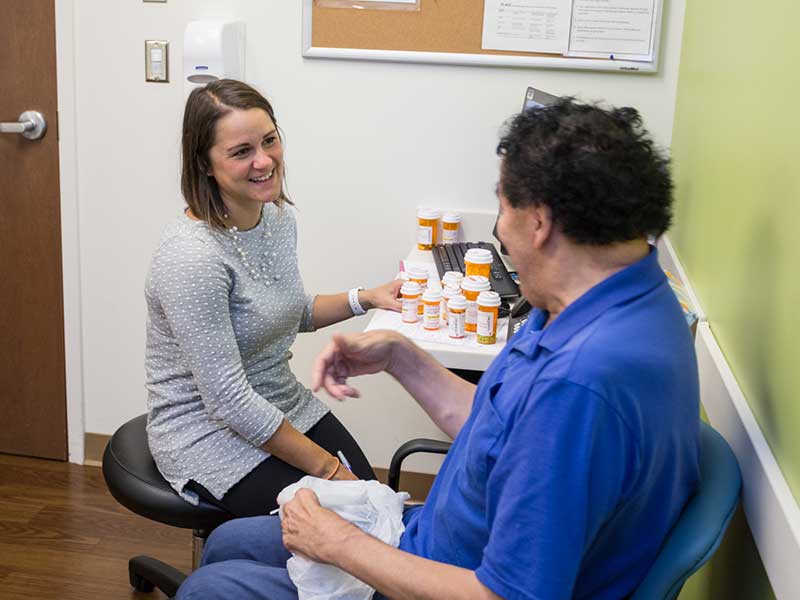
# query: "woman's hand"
311, 530
384, 296
344, 474
341, 473
333, 308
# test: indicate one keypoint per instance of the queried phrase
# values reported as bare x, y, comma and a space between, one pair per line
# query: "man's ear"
541, 223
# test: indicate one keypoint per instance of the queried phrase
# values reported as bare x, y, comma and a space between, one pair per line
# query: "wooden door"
33, 417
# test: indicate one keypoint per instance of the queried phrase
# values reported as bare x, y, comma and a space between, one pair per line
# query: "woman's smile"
246, 161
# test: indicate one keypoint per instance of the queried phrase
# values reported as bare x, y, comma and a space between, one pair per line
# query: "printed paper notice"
618, 27
526, 25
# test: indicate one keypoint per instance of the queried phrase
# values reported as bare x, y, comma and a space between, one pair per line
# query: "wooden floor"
63, 536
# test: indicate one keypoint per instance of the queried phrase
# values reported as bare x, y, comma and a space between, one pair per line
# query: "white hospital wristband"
355, 305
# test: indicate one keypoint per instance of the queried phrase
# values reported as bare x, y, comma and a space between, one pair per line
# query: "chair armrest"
409, 448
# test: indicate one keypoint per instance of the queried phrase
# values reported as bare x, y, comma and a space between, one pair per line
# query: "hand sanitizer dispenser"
212, 49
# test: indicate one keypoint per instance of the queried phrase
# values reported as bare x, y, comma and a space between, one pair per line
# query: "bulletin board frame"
319, 22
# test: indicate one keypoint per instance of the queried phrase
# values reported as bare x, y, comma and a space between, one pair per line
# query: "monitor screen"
536, 99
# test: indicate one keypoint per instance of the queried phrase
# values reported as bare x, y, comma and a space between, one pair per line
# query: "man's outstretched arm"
444, 396
323, 536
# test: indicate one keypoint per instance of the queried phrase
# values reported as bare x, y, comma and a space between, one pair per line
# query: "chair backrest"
699, 530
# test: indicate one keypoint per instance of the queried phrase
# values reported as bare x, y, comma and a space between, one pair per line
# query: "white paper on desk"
526, 25
622, 28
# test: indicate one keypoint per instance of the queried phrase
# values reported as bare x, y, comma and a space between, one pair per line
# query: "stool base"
146, 573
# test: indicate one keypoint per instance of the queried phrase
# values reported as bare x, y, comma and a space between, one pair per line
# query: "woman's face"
246, 159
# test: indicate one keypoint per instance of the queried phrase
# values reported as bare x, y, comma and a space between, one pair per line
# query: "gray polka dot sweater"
223, 309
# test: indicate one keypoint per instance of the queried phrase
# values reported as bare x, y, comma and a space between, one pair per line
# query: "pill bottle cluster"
433, 227
463, 304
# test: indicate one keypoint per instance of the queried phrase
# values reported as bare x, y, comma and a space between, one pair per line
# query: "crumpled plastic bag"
371, 506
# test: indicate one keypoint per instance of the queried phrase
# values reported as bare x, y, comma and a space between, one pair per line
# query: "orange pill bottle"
431, 309
410, 293
448, 292
478, 261
427, 228
471, 287
419, 275
450, 224
456, 317
452, 278
488, 306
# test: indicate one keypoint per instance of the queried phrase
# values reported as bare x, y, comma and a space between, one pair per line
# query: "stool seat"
135, 482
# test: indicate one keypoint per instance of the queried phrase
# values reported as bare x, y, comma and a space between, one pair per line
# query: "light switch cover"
156, 61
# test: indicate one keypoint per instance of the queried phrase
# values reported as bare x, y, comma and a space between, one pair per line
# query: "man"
575, 454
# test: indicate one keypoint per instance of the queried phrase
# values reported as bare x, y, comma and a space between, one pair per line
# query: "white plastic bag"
371, 506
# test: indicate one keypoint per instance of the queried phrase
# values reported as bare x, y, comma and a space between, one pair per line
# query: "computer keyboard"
450, 257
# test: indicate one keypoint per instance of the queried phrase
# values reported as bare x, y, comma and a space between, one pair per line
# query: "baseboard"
94, 444
416, 484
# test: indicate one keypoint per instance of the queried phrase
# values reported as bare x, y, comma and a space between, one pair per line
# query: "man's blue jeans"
243, 559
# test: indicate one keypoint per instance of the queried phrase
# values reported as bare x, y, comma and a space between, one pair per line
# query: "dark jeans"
256, 493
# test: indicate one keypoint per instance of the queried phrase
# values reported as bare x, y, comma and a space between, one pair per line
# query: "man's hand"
314, 531
351, 355
323, 536
443, 395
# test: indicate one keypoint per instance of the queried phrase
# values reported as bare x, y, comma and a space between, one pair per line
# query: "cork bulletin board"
435, 31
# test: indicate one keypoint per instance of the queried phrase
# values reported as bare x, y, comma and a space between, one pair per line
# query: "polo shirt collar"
629, 283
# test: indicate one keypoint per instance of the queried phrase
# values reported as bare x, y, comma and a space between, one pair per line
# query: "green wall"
735, 150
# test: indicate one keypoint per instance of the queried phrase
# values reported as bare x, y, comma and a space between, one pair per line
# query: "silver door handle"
30, 124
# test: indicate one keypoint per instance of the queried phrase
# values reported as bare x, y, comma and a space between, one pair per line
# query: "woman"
228, 421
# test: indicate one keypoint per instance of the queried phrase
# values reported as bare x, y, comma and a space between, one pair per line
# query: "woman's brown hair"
206, 106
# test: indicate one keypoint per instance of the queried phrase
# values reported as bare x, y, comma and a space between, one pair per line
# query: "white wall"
365, 144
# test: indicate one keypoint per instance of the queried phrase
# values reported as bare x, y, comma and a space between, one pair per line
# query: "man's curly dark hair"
597, 170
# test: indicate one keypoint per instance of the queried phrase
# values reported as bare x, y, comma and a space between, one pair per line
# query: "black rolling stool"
133, 479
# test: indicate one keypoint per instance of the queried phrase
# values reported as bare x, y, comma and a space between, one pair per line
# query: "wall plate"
156, 61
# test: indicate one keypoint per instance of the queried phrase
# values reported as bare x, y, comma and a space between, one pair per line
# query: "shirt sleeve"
307, 318
192, 285
559, 472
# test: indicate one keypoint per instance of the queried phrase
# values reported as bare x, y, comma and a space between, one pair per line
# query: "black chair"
133, 479
695, 536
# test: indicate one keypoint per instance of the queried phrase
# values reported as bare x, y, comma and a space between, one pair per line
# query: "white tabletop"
466, 353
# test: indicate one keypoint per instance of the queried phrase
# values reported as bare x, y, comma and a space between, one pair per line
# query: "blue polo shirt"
579, 453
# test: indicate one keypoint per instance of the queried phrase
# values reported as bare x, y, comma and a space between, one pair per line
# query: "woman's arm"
302, 453
192, 287
333, 308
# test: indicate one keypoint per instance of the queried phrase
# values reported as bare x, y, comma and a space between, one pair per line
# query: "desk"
467, 356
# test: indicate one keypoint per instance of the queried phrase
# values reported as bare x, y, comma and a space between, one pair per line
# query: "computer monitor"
534, 98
